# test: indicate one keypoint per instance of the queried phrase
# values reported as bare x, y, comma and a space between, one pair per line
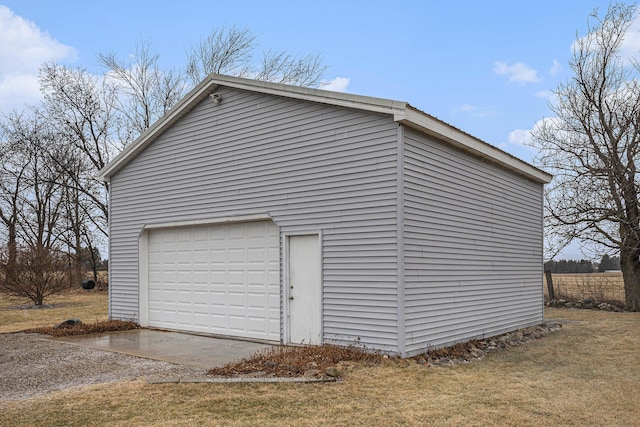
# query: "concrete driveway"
175, 347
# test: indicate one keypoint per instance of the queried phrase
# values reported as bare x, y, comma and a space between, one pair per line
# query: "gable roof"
402, 112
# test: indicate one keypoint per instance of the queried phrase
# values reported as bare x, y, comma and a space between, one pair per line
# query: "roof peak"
401, 111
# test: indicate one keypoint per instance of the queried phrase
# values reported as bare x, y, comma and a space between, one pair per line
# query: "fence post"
552, 294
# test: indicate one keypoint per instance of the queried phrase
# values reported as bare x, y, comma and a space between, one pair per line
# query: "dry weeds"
601, 287
295, 361
85, 328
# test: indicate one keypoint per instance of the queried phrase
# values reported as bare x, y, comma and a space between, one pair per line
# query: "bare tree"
231, 51
31, 266
281, 67
81, 111
12, 186
76, 207
36, 275
228, 50
592, 146
40, 198
143, 91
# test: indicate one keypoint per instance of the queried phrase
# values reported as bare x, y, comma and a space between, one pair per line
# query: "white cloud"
518, 72
23, 48
18, 86
473, 110
468, 108
524, 136
548, 94
555, 68
339, 84
520, 137
630, 47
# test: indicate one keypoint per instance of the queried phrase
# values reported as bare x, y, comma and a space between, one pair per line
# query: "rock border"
472, 351
584, 304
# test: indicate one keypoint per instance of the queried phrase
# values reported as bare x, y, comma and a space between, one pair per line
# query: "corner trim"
400, 239
143, 278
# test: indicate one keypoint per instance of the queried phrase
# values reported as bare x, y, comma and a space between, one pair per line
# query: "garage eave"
429, 125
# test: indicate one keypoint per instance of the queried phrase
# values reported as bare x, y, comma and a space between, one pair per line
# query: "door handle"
291, 298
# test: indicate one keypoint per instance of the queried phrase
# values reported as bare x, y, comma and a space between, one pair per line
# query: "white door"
305, 290
220, 279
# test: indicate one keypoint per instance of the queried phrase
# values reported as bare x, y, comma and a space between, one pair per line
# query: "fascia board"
359, 102
442, 131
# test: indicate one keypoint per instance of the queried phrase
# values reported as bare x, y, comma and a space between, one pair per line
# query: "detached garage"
293, 215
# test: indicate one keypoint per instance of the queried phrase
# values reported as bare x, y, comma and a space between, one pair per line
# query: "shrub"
36, 273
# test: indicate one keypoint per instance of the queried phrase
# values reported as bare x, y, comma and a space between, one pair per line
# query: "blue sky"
487, 67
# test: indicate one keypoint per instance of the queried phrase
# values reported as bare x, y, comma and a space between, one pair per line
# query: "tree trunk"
77, 236
630, 265
12, 246
549, 277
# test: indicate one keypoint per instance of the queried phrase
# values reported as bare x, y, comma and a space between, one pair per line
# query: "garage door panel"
201, 279
221, 279
256, 300
201, 257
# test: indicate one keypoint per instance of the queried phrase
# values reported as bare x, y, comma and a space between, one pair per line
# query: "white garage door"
221, 279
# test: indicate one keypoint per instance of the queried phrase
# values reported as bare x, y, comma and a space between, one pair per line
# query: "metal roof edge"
430, 125
360, 102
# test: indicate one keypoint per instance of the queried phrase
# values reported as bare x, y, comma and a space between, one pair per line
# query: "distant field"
602, 287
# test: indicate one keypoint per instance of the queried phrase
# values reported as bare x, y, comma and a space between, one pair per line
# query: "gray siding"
309, 166
473, 247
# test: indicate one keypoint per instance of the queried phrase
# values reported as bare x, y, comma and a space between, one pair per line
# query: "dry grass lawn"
588, 374
88, 306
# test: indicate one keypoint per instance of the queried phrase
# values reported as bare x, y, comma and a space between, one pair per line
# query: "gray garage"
294, 215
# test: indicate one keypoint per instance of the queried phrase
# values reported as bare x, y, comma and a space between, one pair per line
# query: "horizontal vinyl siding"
473, 247
309, 166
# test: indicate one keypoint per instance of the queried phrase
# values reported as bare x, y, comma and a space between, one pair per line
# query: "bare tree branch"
230, 50
142, 91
